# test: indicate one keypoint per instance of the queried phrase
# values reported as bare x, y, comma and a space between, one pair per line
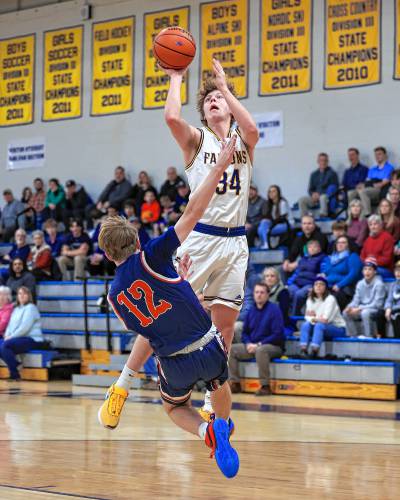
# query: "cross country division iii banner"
353, 43
285, 45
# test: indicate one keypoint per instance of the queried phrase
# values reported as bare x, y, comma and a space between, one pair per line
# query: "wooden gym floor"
52, 447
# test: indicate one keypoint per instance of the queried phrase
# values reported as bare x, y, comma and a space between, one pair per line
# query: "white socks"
125, 379
202, 430
207, 402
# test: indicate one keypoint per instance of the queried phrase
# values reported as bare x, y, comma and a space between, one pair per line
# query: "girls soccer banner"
62, 74
397, 41
112, 66
286, 38
155, 81
17, 77
353, 43
224, 36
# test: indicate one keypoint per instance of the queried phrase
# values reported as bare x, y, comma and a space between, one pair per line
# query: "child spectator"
323, 319
357, 225
129, 209
6, 308
150, 210
300, 283
52, 237
367, 302
392, 305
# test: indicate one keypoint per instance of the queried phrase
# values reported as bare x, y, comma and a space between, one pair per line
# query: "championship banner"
62, 74
155, 81
112, 70
17, 76
286, 40
224, 36
353, 43
396, 75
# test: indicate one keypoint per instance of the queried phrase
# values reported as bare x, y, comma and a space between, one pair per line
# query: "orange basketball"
174, 48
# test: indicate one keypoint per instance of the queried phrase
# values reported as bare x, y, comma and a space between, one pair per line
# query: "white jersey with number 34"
228, 206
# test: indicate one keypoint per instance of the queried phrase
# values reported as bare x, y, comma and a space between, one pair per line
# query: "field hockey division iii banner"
353, 43
397, 42
224, 35
286, 37
17, 76
62, 74
112, 66
155, 81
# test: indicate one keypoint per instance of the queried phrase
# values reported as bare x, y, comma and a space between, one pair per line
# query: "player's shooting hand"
172, 72
184, 266
219, 75
225, 157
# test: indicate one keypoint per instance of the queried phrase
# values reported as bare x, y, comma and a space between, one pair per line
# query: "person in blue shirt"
151, 299
355, 175
377, 178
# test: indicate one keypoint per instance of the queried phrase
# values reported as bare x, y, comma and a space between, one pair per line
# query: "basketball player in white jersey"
218, 245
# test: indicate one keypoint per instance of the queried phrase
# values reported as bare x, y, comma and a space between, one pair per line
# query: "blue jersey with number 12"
150, 298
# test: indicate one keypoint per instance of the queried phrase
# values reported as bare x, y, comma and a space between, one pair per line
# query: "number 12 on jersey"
234, 183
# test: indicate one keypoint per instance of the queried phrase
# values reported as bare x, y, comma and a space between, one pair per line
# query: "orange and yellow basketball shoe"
110, 411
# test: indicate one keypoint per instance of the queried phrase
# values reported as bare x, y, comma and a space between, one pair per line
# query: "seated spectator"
354, 175
168, 215
55, 201
52, 237
278, 294
378, 177
23, 332
357, 225
262, 338
20, 276
342, 271
10, 218
40, 258
140, 189
380, 246
394, 197
129, 209
181, 200
301, 282
6, 308
309, 231
150, 210
368, 300
116, 192
391, 223
74, 251
256, 211
26, 199
322, 185
339, 228
97, 263
322, 320
392, 304
19, 249
169, 187
277, 213
76, 201
38, 197
394, 183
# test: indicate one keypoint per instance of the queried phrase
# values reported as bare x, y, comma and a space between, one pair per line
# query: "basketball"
174, 48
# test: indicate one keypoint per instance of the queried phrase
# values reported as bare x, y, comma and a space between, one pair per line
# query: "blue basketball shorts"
178, 374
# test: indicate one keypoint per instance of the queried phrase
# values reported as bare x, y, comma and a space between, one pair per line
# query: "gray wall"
87, 149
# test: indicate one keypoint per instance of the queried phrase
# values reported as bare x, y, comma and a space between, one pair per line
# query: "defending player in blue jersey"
150, 298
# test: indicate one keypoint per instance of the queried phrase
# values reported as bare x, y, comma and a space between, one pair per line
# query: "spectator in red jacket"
6, 308
379, 244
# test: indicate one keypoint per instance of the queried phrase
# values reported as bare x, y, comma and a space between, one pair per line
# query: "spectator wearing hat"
256, 211
322, 320
392, 304
169, 187
368, 301
76, 201
12, 216
380, 246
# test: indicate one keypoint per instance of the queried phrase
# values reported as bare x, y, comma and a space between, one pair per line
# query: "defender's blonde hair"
208, 86
118, 238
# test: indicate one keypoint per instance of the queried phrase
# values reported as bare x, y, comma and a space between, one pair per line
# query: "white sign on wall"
26, 153
270, 128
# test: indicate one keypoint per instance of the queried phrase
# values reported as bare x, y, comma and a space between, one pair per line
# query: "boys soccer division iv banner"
17, 76
62, 74
112, 66
353, 43
224, 35
286, 38
155, 81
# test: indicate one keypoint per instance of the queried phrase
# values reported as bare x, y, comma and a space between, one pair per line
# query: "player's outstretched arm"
200, 199
247, 125
186, 136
